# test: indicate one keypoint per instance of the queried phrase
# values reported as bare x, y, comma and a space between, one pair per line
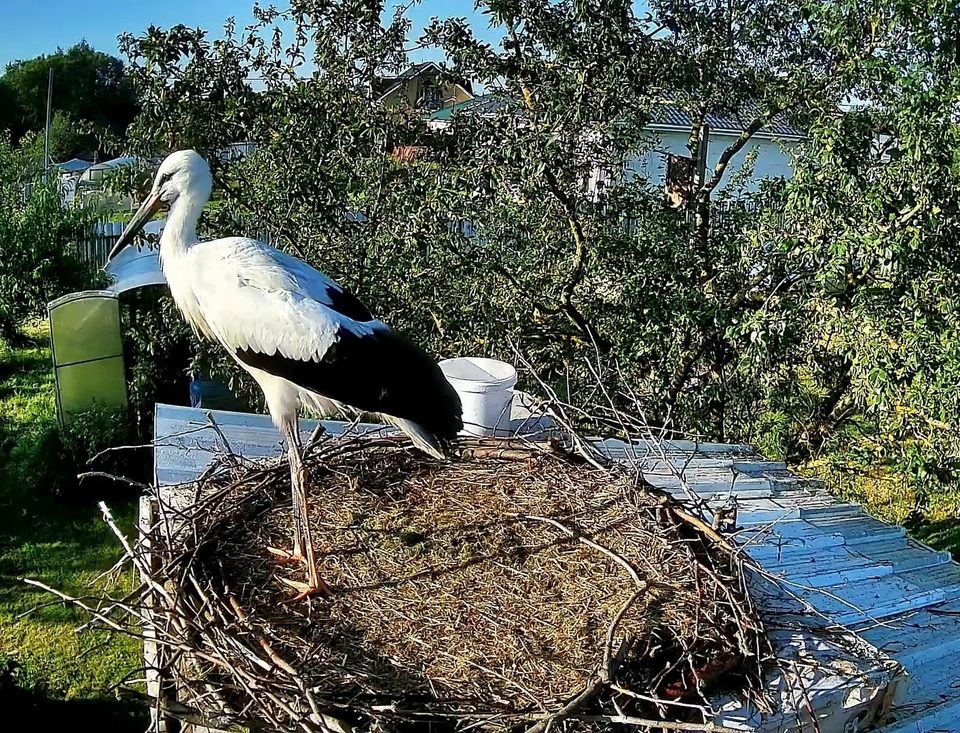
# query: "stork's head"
182, 175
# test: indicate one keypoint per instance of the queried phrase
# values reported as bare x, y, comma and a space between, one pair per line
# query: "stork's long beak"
146, 210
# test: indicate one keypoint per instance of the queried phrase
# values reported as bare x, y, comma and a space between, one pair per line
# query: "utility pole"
46, 129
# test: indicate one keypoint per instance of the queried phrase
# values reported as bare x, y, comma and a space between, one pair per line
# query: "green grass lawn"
45, 665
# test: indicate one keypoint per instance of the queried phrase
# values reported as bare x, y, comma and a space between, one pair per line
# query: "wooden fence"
93, 250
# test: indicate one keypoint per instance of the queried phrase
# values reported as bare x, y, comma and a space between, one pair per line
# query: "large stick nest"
512, 587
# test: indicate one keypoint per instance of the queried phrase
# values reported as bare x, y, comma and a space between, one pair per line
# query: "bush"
162, 354
37, 263
47, 459
93, 431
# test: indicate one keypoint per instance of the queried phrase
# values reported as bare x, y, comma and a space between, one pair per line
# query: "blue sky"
29, 28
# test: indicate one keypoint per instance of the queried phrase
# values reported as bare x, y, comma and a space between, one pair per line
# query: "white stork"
302, 337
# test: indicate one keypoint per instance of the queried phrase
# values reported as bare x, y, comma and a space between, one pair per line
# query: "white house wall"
772, 161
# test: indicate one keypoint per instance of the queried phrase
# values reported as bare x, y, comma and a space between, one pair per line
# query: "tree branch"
680, 378
566, 202
752, 129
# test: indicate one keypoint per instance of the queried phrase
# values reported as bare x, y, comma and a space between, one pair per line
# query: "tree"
582, 77
8, 107
778, 327
67, 138
90, 88
873, 276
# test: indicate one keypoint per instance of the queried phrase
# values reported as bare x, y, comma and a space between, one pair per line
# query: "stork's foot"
306, 590
285, 556
315, 585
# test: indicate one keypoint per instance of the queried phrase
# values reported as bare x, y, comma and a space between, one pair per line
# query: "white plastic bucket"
485, 387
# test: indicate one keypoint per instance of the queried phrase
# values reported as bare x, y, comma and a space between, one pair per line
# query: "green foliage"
866, 316
161, 354
36, 227
821, 321
68, 136
90, 91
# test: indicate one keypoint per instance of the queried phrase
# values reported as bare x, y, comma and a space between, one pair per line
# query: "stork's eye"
165, 177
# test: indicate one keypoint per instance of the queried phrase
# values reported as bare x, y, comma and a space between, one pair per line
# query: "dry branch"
480, 592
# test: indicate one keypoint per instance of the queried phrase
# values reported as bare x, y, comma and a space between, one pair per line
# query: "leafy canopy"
91, 93
818, 319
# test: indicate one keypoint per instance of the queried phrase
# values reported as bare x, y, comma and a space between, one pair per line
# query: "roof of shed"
74, 165
862, 612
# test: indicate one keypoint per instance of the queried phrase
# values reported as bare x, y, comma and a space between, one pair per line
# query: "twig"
589, 692
114, 449
108, 518
659, 701
655, 724
76, 601
619, 559
118, 479
223, 438
608, 671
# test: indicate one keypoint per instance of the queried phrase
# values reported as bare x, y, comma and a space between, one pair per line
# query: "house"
768, 151
421, 87
667, 158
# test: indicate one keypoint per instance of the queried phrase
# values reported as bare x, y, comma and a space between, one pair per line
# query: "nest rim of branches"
243, 666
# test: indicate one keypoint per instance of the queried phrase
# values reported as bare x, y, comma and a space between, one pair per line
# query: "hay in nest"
512, 587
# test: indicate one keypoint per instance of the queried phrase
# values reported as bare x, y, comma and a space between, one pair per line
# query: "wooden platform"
866, 619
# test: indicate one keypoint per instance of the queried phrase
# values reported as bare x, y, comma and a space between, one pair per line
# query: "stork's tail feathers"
419, 436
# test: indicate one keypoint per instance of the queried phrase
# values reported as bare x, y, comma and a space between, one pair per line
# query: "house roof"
825, 568
675, 116
664, 116
485, 104
382, 86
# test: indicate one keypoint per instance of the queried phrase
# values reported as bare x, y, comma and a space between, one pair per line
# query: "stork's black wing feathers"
346, 303
374, 371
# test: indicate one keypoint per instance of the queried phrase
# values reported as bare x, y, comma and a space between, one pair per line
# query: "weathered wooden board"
835, 567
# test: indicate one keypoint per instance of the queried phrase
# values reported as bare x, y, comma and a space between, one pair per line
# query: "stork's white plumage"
302, 337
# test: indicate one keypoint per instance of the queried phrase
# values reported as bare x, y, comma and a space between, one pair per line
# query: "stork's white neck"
180, 230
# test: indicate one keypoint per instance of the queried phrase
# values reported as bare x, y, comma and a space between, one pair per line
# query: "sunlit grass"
58, 540
889, 496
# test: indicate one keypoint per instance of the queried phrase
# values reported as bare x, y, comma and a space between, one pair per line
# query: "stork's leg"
301, 510
303, 549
